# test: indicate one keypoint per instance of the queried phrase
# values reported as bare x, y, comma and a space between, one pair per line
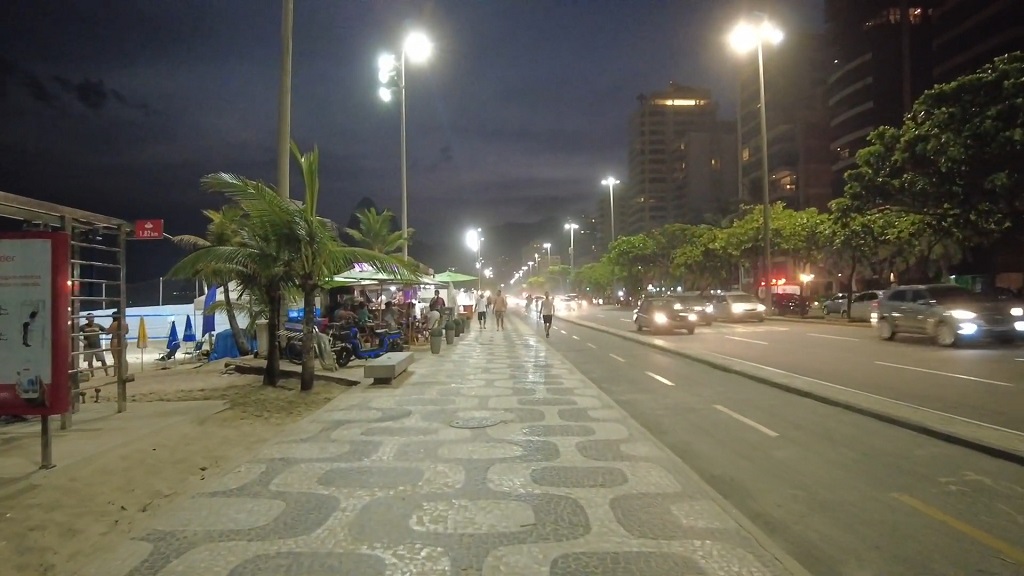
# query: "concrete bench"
386, 368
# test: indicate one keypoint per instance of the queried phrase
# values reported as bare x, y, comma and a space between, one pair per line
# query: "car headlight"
709, 309
692, 317
677, 307
1017, 311
962, 314
660, 318
761, 308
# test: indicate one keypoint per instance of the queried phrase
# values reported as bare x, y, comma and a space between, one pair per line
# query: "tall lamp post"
744, 38
391, 72
475, 241
547, 246
610, 182
572, 245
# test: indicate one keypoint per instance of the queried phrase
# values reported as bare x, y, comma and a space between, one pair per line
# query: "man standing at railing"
91, 344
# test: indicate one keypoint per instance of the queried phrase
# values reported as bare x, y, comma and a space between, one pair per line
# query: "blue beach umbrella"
173, 343
209, 320
189, 335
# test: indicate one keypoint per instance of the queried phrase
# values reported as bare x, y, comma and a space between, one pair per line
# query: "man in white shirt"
481, 310
547, 313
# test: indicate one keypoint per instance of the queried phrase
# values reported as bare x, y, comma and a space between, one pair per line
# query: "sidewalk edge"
766, 543
912, 419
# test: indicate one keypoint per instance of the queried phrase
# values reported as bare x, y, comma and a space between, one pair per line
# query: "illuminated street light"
416, 48
475, 242
610, 182
572, 244
744, 38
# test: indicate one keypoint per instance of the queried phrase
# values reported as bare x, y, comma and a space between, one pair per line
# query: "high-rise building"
799, 162
969, 34
682, 160
881, 53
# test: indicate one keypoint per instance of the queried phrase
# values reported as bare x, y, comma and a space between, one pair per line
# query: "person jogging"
547, 313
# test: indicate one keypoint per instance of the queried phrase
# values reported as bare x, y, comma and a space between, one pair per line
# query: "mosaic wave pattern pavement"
562, 482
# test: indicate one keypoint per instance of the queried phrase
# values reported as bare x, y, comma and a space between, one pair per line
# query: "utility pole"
284, 101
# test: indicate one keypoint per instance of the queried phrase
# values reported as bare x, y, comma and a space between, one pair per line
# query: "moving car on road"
947, 313
701, 305
664, 315
736, 306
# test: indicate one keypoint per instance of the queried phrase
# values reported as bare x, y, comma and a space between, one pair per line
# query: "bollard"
436, 334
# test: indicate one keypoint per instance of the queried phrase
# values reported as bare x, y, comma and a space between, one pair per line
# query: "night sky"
120, 107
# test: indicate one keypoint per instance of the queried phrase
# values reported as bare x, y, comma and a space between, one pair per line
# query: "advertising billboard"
35, 296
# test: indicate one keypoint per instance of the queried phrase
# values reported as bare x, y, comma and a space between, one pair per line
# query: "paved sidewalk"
555, 480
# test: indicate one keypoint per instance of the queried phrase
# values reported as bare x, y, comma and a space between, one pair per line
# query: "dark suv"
948, 313
664, 315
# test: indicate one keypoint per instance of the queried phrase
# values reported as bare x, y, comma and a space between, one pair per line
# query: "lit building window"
714, 163
746, 153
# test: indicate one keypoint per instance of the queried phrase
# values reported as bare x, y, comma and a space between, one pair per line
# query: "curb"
993, 441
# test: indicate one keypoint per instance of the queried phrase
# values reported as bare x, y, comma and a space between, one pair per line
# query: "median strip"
747, 421
659, 378
950, 374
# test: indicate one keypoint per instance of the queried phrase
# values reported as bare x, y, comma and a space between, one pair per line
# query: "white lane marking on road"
870, 395
945, 374
746, 340
833, 337
591, 345
747, 421
575, 337
1019, 359
616, 357
600, 315
625, 319
659, 378
562, 331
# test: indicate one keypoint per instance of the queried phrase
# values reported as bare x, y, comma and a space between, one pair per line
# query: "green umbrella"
453, 277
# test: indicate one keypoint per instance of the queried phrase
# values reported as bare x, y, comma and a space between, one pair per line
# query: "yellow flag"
143, 340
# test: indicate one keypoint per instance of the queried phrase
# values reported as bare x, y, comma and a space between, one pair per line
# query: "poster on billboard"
34, 338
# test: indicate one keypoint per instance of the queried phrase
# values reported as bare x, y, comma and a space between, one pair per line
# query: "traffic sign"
149, 229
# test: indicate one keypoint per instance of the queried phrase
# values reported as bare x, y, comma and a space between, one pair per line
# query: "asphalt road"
983, 383
844, 494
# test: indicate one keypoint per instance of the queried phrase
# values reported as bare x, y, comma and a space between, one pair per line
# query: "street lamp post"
547, 246
416, 48
572, 245
610, 182
746, 37
475, 241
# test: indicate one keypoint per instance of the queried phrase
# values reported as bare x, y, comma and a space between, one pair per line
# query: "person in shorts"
481, 311
500, 307
91, 345
547, 313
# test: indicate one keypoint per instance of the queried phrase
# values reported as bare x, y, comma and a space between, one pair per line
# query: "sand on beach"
53, 521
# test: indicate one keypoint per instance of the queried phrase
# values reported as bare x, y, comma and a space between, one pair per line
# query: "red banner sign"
149, 229
35, 342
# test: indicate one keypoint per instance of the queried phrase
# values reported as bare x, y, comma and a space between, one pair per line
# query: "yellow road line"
1010, 552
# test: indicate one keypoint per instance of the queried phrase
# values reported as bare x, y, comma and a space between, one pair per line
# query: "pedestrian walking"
500, 307
437, 302
547, 313
481, 310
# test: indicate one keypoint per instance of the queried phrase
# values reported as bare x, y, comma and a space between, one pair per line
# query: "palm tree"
223, 230
284, 245
375, 232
